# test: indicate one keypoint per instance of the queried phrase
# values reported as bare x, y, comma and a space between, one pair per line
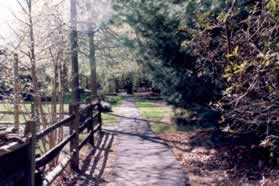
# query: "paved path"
142, 159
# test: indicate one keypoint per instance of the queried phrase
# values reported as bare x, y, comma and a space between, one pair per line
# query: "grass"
7, 107
160, 128
153, 110
10, 118
108, 120
26, 107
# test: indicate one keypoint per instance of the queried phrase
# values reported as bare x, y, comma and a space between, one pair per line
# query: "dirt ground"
208, 163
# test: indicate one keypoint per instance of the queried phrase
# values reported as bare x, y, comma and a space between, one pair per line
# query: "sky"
100, 12
6, 7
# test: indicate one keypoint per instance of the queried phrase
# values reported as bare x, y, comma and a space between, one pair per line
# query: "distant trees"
114, 61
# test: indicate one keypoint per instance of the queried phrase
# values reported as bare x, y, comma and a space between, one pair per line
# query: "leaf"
235, 51
273, 6
229, 90
229, 55
244, 64
228, 77
267, 63
260, 55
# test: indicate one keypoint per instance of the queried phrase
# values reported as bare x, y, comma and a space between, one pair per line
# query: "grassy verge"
7, 107
10, 118
108, 120
153, 110
26, 107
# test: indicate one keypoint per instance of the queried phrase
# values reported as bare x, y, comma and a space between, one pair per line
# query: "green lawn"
27, 107
153, 110
7, 107
10, 118
108, 120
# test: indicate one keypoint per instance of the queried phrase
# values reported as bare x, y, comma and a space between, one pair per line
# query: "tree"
75, 82
212, 54
41, 48
160, 43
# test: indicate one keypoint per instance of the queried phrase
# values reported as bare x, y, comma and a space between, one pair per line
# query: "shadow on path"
154, 139
94, 162
142, 158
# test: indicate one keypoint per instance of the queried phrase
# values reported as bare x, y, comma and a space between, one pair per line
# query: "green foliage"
83, 97
162, 46
216, 54
115, 62
273, 6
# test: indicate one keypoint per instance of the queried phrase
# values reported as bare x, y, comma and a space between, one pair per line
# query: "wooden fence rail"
57, 125
87, 118
90, 118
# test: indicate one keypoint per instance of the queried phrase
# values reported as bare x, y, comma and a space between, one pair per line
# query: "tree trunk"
36, 104
116, 82
75, 85
92, 58
53, 135
62, 80
54, 94
35, 87
16, 92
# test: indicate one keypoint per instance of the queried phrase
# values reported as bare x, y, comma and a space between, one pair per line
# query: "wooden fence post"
100, 115
91, 126
71, 129
32, 156
74, 145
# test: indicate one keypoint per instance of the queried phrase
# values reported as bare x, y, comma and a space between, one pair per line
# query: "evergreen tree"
163, 29
214, 54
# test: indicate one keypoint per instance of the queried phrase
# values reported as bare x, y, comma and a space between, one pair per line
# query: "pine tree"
163, 28
214, 54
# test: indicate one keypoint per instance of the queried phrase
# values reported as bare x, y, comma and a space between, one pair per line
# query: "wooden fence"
87, 118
